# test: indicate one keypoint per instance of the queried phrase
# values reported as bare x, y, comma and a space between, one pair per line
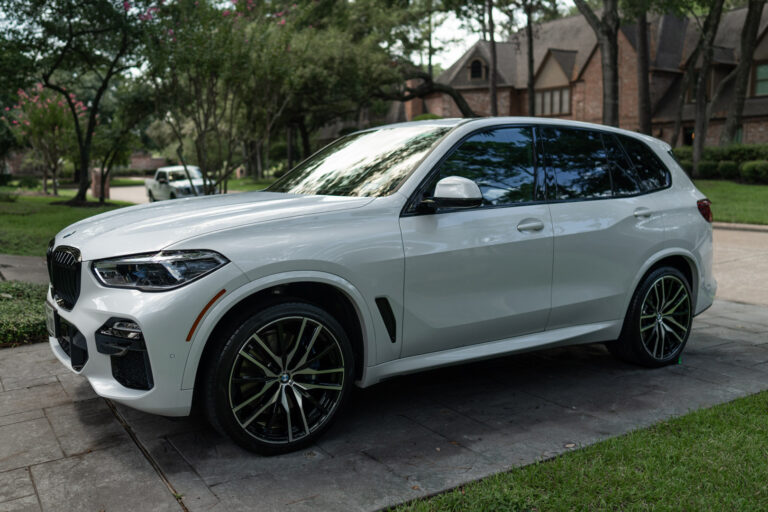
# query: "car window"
650, 171
181, 175
161, 176
579, 161
500, 161
622, 172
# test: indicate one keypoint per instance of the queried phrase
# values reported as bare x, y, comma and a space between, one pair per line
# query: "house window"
553, 102
476, 70
761, 79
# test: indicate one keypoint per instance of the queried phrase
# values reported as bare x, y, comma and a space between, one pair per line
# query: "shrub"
8, 197
683, 153
687, 166
426, 116
22, 313
29, 182
728, 170
755, 171
708, 169
5, 179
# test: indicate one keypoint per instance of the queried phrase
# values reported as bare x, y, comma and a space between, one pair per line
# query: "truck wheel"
151, 197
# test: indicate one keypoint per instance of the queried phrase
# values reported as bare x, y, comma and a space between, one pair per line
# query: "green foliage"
728, 170
738, 153
426, 116
28, 182
22, 313
755, 171
687, 166
708, 169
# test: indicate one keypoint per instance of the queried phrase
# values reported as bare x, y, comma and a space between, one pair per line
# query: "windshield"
194, 173
368, 164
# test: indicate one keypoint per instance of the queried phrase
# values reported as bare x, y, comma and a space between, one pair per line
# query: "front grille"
64, 272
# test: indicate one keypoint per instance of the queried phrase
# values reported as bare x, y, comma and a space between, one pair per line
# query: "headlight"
156, 272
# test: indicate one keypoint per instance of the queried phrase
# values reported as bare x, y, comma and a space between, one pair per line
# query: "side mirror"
163, 181
456, 192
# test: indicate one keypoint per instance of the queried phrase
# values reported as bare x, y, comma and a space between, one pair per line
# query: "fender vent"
389, 318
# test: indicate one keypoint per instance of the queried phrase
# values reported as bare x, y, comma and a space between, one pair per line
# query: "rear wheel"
151, 197
658, 322
279, 380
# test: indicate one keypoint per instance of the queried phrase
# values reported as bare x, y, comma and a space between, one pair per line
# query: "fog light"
119, 335
122, 329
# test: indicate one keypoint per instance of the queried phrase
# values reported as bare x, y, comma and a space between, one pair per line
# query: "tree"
606, 28
41, 119
69, 40
741, 74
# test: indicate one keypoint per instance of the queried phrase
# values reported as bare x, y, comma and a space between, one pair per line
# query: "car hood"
153, 226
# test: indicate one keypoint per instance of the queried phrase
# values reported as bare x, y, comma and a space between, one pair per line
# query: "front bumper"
165, 319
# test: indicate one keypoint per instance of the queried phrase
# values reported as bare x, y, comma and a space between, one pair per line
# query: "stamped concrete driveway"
63, 448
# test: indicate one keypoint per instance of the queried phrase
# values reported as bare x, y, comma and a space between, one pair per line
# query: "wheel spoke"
675, 322
310, 371
299, 402
672, 332
307, 386
312, 399
663, 337
304, 356
656, 294
656, 338
254, 397
296, 344
264, 408
682, 299
263, 345
643, 329
267, 371
670, 301
284, 402
317, 357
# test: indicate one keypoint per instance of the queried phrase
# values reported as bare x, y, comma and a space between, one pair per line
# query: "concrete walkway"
402, 439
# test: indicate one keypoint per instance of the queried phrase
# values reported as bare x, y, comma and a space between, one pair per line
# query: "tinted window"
500, 162
649, 170
622, 173
161, 176
580, 163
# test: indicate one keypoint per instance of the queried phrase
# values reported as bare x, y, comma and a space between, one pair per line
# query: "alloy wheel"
665, 317
286, 380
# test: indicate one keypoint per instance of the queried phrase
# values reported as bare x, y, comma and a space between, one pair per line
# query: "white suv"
392, 250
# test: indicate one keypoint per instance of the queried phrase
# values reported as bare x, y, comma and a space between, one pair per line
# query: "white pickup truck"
172, 182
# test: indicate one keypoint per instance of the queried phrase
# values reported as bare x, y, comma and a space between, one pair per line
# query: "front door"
480, 274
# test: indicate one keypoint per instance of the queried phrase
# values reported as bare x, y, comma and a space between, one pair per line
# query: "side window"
500, 161
622, 173
650, 171
161, 176
580, 163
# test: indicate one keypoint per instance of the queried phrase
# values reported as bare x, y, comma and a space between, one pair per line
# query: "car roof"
177, 168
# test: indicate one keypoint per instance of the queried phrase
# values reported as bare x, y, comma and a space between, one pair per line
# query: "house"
568, 75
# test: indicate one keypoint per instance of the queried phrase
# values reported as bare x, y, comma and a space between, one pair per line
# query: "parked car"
172, 182
390, 251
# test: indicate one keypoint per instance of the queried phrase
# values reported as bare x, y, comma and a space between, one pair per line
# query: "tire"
151, 197
653, 336
272, 394
172, 196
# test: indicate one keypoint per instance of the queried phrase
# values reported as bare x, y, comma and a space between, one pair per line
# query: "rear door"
480, 274
605, 225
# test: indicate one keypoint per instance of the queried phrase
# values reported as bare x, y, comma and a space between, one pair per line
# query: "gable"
550, 75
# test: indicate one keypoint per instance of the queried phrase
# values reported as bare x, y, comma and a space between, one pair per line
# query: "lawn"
248, 184
736, 202
711, 459
29, 222
126, 182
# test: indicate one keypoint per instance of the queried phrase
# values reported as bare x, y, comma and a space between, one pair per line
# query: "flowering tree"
42, 119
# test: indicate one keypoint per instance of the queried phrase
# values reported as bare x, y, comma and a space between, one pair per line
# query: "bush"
728, 170
755, 171
5, 179
29, 182
426, 117
687, 166
683, 153
8, 197
22, 313
708, 169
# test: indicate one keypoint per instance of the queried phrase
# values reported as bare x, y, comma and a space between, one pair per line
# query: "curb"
757, 228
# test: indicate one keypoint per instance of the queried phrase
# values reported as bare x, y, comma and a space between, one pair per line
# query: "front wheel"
658, 321
280, 379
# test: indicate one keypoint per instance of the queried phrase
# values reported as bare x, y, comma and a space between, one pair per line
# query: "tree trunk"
289, 145
702, 120
529, 37
643, 76
748, 43
306, 147
45, 179
55, 177
491, 29
259, 166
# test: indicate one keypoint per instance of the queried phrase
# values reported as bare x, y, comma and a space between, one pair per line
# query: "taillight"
705, 209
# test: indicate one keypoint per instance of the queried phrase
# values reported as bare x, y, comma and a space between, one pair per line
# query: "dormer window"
476, 70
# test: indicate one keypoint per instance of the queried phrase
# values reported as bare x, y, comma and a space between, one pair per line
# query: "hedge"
22, 313
755, 171
708, 169
728, 170
729, 161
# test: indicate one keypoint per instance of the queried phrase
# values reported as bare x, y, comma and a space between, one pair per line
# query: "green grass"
249, 184
126, 182
711, 459
29, 222
736, 202
22, 313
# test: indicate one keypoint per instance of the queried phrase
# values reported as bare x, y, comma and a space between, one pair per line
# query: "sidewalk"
31, 269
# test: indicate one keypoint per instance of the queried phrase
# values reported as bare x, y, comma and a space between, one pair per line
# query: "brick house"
568, 75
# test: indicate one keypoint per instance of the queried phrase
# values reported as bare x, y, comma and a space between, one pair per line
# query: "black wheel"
151, 197
278, 381
172, 196
658, 321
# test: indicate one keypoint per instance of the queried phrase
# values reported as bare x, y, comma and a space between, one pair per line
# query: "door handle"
642, 212
530, 225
